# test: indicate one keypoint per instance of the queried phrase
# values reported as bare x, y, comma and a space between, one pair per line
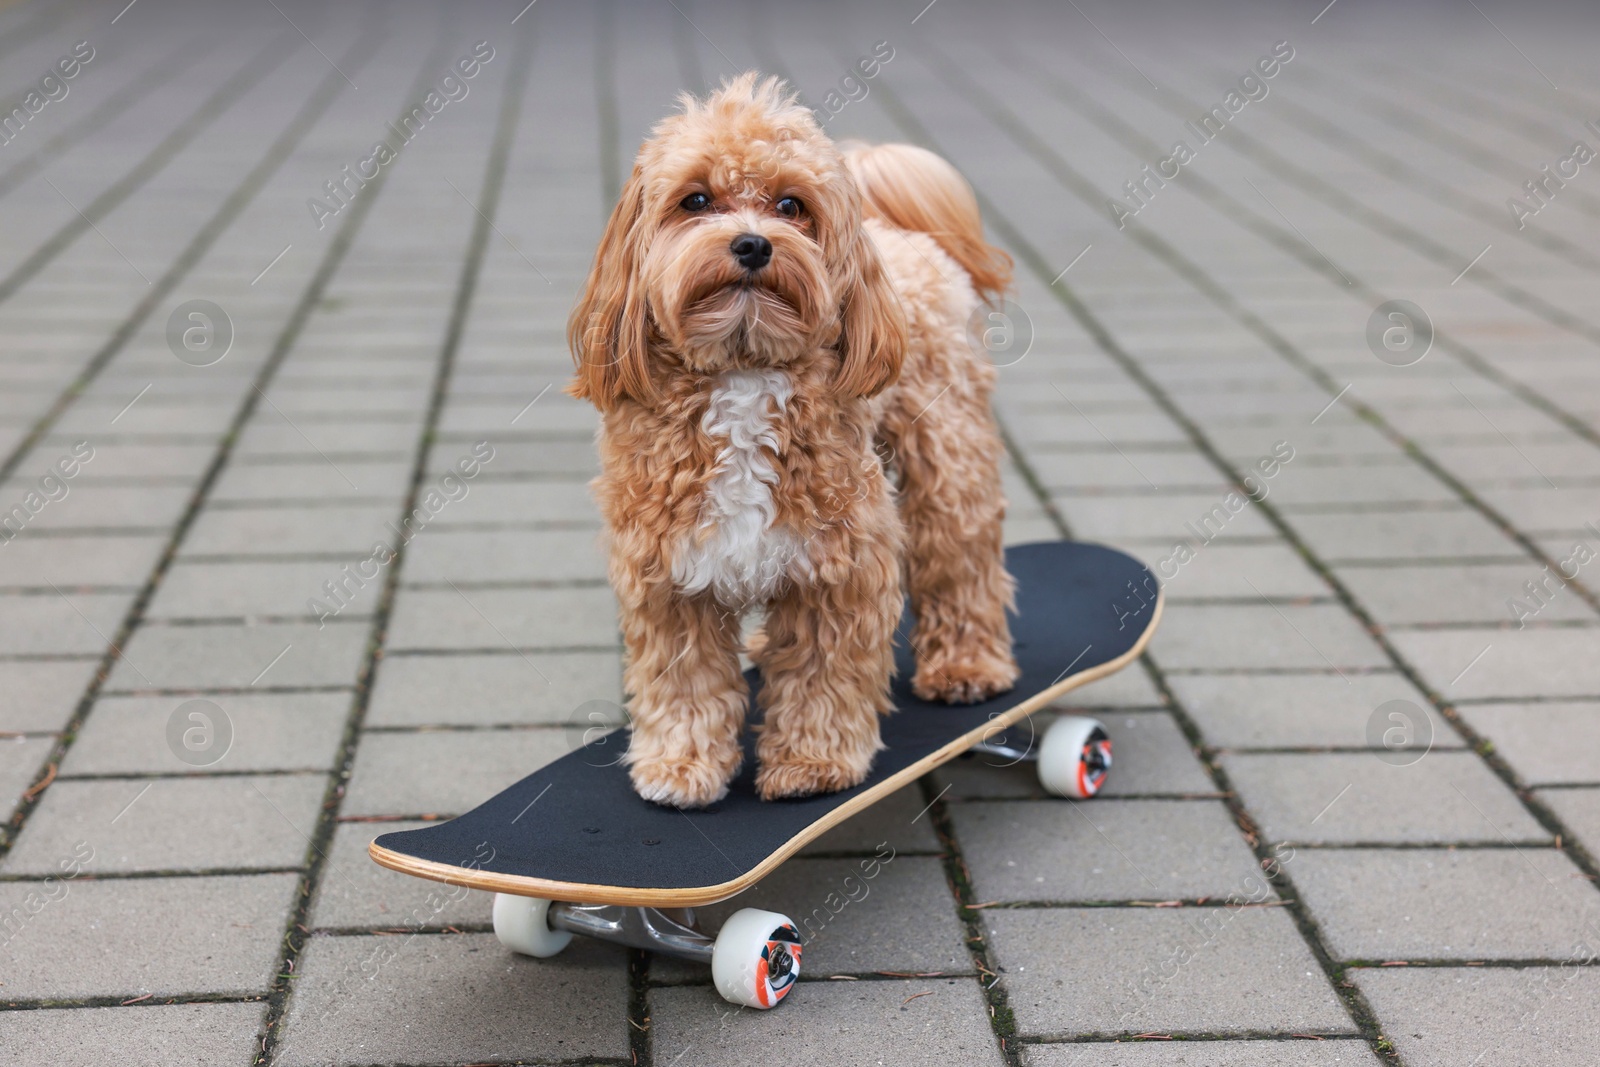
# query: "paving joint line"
495, 166
232, 206
1184, 268
1349, 996
141, 601
1163, 252
1480, 364
230, 93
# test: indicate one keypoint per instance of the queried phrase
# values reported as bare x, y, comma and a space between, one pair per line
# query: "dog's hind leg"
947, 453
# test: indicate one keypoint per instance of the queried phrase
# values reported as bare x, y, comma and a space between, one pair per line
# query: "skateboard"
571, 849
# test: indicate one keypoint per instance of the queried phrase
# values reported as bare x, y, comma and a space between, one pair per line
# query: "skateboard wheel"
756, 958
1074, 757
522, 925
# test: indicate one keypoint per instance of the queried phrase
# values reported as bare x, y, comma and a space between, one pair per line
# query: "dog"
793, 419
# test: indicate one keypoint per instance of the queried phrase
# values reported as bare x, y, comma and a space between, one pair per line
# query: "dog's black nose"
752, 250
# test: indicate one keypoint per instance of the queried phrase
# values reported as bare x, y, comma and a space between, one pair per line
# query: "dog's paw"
968, 680
788, 776
681, 783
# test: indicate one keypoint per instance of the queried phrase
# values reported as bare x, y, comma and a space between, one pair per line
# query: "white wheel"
522, 925
1074, 757
756, 958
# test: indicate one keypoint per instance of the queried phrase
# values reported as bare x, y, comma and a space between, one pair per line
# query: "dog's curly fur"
794, 438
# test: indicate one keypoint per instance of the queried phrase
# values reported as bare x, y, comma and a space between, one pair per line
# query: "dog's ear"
608, 332
872, 338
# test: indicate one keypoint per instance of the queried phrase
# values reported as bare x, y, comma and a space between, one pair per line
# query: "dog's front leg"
826, 663
687, 697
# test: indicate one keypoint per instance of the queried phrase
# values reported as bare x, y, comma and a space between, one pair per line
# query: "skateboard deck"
575, 831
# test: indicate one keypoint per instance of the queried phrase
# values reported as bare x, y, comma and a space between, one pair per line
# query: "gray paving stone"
236, 657
1489, 664
356, 893
1568, 459
1147, 427
275, 437
1154, 518
492, 688
328, 399
469, 414
40, 695
171, 824
570, 457
1579, 809
131, 457
1264, 636
1444, 797
444, 772
1291, 710
1024, 527
46, 623
1445, 1017
1130, 687
37, 562
270, 732
164, 936
348, 530
1446, 904
1546, 743
1164, 469
152, 508
1443, 594
1175, 969
1319, 486
504, 556
1539, 507
1104, 850
523, 501
504, 618
21, 760
344, 480
1403, 535
824, 1023
160, 1035
1151, 757
1222, 570
856, 916
899, 820
205, 590
454, 998
1350, 1052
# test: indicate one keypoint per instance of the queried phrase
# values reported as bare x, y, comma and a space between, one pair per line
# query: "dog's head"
737, 242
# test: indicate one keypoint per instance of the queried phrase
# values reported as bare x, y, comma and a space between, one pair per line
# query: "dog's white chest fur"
737, 553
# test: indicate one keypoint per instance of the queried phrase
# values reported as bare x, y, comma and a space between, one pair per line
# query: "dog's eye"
695, 202
789, 207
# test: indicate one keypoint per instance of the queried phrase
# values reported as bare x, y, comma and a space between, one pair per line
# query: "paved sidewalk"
1355, 817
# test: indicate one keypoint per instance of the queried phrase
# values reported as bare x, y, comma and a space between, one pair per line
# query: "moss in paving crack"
1001, 1019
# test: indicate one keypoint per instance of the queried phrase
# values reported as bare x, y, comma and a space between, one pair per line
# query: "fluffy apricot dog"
775, 332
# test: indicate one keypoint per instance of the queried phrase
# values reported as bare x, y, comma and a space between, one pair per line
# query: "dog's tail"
913, 189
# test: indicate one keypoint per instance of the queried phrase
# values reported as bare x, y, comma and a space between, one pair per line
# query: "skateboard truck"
754, 958
1073, 756
669, 931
